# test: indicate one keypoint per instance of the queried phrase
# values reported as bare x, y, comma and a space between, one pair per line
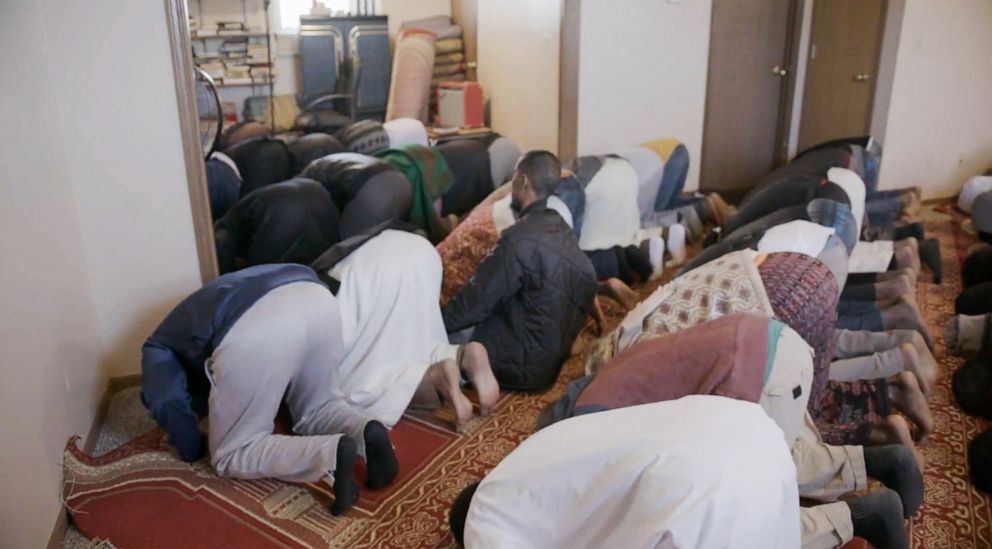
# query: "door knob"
862, 77
779, 71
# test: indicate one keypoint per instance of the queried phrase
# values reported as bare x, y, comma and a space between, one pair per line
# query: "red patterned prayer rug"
954, 514
141, 495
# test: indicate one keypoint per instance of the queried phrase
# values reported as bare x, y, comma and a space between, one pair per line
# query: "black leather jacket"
528, 300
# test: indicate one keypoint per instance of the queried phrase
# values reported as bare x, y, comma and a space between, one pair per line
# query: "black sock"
877, 518
345, 485
894, 466
638, 262
379, 456
930, 256
459, 512
914, 230
711, 239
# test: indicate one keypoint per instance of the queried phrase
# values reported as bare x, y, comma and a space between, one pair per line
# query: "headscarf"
728, 284
430, 176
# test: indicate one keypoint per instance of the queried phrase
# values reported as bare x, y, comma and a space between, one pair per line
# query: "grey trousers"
868, 355
284, 345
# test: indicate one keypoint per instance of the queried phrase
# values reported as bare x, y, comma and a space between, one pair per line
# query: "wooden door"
745, 93
845, 41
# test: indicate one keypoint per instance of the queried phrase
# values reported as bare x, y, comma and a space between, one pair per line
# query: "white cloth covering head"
854, 188
975, 186
701, 471
611, 216
405, 131
391, 322
650, 169
799, 236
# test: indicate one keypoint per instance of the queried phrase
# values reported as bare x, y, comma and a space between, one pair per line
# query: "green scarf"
430, 176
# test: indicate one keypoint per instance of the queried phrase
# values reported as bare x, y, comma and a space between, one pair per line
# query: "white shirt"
698, 472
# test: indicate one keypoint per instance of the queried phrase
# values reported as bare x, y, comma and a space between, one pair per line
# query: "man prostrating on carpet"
249, 340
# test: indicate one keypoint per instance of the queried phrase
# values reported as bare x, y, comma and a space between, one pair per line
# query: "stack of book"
238, 60
258, 54
226, 28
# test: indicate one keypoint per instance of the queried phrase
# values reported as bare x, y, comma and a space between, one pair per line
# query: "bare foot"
894, 430
615, 289
907, 254
599, 317
905, 314
891, 290
912, 363
906, 396
929, 369
445, 377
474, 361
906, 258
891, 275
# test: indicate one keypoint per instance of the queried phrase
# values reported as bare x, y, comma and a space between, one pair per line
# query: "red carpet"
141, 495
954, 514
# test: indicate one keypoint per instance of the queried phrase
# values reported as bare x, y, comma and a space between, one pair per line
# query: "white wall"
130, 182
50, 338
95, 228
642, 74
518, 68
939, 129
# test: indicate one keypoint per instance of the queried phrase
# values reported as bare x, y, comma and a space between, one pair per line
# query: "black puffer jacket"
528, 300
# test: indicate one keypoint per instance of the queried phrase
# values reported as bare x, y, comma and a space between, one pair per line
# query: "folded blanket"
449, 45
440, 25
453, 57
450, 68
457, 77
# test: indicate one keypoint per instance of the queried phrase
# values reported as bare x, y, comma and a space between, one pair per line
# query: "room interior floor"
953, 515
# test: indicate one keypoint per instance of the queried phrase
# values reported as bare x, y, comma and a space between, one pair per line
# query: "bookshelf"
237, 56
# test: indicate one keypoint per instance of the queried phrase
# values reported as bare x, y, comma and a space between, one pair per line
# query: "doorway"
748, 93
842, 69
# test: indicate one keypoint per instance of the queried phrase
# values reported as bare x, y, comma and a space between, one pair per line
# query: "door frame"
568, 80
177, 23
783, 135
